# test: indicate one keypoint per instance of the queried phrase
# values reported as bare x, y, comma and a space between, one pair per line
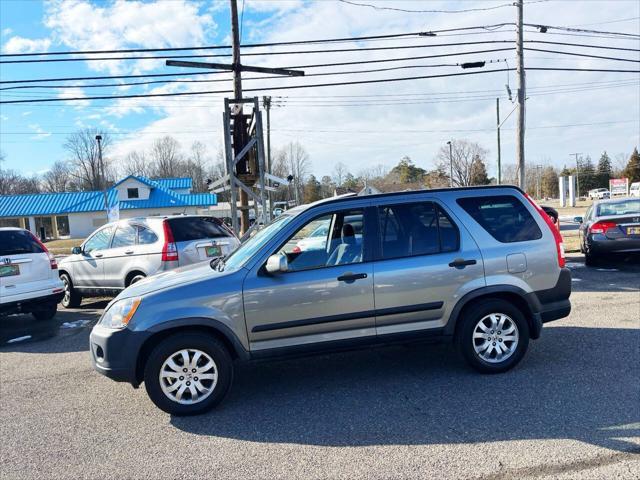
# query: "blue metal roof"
78, 202
178, 183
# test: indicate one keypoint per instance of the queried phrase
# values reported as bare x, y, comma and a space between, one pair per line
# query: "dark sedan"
610, 227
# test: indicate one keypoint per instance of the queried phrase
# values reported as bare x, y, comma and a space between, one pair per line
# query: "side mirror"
76, 250
277, 263
577, 219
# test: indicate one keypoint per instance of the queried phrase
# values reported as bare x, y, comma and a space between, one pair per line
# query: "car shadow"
612, 274
573, 384
23, 333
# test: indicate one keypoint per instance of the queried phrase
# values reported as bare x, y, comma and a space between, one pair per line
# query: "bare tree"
165, 153
58, 178
299, 166
196, 166
463, 155
91, 173
137, 163
340, 171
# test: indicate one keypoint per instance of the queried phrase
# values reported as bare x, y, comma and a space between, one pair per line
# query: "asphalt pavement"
571, 409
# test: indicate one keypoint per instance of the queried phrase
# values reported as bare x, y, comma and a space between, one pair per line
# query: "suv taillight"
554, 230
169, 249
52, 259
602, 227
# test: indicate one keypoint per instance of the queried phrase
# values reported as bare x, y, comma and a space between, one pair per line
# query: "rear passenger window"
504, 217
416, 229
195, 228
146, 236
125, 236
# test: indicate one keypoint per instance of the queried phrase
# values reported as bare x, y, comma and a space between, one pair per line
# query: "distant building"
77, 214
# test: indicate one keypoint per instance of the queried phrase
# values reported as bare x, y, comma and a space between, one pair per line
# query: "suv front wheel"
494, 336
188, 374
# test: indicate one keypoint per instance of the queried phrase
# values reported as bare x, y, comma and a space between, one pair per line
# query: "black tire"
472, 316
590, 260
46, 313
72, 298
167, 348
136, 278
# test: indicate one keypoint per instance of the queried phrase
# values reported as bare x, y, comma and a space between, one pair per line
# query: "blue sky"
368, 130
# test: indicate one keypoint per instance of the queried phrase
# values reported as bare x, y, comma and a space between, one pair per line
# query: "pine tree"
312, 191
632, 170
604, 170
588, 178
478, 174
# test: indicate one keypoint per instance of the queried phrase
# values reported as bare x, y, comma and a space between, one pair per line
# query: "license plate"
633, 230
9, 270
213, 251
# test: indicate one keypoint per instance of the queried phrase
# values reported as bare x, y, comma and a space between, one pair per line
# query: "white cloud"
39, 131
26, 114
77, 94
26, 45
79, 24
7, 31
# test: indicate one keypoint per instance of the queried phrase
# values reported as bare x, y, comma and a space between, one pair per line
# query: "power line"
543, 27
292, 87
377, 7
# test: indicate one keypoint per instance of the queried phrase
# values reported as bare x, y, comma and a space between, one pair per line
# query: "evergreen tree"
566, 172
407, 172
604, 170
549, 183
587, 173
478, 172
632, 170
312, 190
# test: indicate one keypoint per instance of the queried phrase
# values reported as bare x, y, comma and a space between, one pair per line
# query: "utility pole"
450, 164
239, 139
521, 94
102, 183
577, 173
266, 102
499, 153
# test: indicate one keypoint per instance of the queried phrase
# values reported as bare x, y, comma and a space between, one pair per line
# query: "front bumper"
114, 353
31, 304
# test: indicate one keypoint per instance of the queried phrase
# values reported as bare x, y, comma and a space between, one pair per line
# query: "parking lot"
570, 409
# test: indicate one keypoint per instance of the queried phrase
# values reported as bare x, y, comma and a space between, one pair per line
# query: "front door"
88, 267
424, 263
325, 295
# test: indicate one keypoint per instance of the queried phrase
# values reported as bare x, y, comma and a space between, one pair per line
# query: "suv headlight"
120, 313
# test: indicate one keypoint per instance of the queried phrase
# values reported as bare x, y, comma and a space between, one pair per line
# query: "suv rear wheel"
46, 312
188, 374
494, 336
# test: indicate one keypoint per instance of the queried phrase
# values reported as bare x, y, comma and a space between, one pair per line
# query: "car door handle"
351, 277
461, 263
97, 255
128, 252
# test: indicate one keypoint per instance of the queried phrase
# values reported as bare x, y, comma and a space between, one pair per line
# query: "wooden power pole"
499, 179
521, 95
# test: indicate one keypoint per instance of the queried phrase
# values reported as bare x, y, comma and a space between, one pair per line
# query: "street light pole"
450, 164
101, 182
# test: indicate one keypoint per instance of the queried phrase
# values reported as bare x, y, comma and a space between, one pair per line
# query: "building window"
132, 193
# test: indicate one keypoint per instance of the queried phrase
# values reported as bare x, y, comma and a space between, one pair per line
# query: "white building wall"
143, 190
82, 224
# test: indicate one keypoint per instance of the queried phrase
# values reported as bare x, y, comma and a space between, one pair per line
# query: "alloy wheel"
495, 337
188, 376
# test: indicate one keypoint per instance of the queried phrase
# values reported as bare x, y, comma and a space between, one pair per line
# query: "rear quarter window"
194, 228
16, 242
504, 217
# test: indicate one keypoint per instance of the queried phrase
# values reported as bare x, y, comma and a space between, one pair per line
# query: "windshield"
244, 252
626, 207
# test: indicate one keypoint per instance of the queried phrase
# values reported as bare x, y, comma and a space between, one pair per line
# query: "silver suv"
483, 267
121, 253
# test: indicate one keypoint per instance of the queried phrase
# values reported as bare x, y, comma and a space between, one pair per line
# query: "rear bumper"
602, 245
31, 304
551, 304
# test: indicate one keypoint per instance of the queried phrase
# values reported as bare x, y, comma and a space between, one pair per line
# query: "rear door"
425, 262
24, 265
200, 238
119, 259
88, 270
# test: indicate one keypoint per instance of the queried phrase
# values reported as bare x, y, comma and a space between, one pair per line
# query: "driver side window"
99, 240
330, 240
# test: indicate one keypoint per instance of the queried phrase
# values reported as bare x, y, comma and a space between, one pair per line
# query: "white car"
29, 280
599, 193
634, 189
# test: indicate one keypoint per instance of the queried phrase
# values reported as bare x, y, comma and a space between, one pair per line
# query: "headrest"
348, 234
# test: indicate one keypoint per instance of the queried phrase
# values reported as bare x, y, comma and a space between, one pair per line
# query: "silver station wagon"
483, 267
